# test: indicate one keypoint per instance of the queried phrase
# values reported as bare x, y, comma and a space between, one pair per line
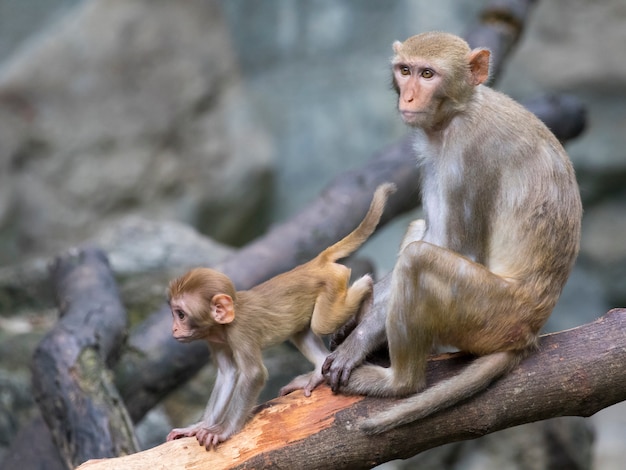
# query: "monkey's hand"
211, 436
189, 431
306, 382
207, 436
337, 369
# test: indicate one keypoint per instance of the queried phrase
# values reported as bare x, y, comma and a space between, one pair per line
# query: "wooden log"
71, 380
574, 373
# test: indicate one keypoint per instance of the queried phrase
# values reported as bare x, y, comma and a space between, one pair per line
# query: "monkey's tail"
357, 237
471, 380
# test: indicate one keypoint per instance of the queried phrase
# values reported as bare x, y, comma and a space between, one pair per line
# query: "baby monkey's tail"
347, 245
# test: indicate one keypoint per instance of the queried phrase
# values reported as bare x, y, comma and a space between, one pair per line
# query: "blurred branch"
499, 28
71, 381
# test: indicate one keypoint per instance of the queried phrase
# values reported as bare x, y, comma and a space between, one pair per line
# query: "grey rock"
115, 111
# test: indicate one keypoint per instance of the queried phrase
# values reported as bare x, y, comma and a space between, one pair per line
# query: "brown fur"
310, 300
501, 234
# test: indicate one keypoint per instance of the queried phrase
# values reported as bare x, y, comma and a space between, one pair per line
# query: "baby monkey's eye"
181, 314
427, 73
404, 70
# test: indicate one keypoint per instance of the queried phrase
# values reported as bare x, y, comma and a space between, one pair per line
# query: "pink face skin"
182, 330
417, 83
183, 326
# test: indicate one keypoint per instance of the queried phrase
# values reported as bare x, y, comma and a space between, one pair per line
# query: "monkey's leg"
409, 338
467, 306
313, 348
368, 335
440, 294
338, 302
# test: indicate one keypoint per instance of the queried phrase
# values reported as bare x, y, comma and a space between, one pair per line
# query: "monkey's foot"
305, 382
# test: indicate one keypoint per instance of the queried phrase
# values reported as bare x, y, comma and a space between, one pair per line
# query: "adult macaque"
310, 300
484, 270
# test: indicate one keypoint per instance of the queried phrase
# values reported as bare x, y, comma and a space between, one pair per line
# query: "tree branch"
499, 27
71, 381
562, 378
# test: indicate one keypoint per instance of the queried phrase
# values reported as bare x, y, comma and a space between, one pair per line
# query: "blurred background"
138, 117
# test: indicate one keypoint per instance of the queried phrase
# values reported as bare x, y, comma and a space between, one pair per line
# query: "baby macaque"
312, 299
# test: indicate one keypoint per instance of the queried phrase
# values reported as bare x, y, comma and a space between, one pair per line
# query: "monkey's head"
434, 75
200, 300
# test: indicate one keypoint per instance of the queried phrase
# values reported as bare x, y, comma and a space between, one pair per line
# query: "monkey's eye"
180, 314
427, 73
404, 70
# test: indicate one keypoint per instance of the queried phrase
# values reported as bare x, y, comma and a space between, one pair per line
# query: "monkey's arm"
225, 383
368, 335
313, 348
239, 397
218, 401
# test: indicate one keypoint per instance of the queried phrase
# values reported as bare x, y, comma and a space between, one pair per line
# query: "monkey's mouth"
183, 339
410, 115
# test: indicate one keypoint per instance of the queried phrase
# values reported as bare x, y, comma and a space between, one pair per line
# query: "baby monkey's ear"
222, 308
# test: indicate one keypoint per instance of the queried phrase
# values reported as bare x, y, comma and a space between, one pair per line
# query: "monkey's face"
417, 83
195, 318
184, 327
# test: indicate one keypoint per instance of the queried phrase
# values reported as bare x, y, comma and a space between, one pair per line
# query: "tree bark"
71, 380
574, 373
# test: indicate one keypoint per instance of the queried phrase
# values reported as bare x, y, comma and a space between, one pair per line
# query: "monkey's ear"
396, 46
222, 308
479, 65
